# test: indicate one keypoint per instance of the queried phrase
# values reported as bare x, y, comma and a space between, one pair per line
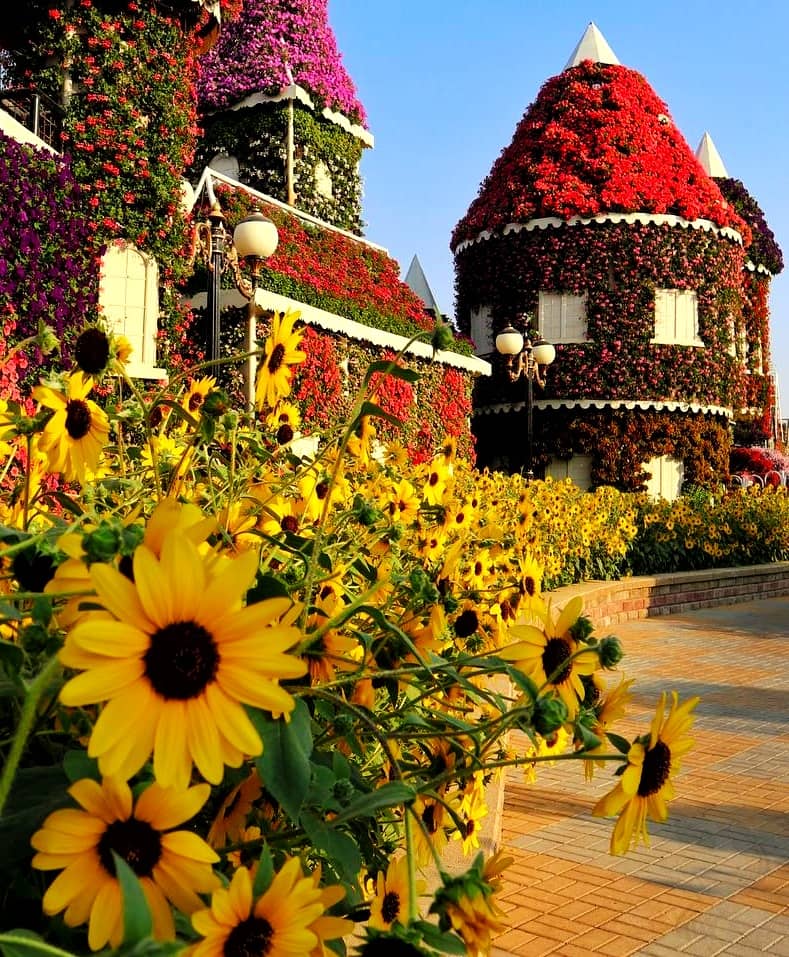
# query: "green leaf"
25, 943
78, 765
447, 943
285, 763
376, 412
265, 873
388, 795
36, 792
137, 918
9, 613
11, 656
588, 738
340, 765
621, 744
385, 367
524, 682
341, 849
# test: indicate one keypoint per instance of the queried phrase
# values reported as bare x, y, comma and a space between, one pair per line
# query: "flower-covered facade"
280, 112
600, 230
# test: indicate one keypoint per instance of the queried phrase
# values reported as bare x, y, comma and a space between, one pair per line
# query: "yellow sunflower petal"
172, 763
569, 615
232, 721
153, 588
163, 923
189, 845
252, 689
67, 886
174, 888
71, 821
101, 683
119, 596
91, 795
114, 639
164, 808
203, 740
225, 590
56, 842
180, 562
104, 915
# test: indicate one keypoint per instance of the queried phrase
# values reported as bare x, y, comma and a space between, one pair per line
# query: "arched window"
129, 299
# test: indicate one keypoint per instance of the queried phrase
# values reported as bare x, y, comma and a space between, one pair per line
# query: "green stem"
35, 690
30, 945
413, 910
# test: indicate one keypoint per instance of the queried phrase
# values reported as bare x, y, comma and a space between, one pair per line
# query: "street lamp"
254, 239
524, 358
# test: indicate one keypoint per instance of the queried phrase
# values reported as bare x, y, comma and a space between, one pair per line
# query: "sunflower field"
249, 695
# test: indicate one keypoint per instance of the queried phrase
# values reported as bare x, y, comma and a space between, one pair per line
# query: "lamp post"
254, 239
524, 358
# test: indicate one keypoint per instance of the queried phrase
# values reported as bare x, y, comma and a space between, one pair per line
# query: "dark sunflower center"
655, 770
556, 660
466, 624
322, 490
275, 359
135, 841
433, 480
77, 418
530, 586
390, 908
182, 660
284, 434
289, 523
251, 938
92, 350
196, 399
429, 818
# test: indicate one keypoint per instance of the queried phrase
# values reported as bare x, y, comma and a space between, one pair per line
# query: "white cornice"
657, 219
296, 92
656, 405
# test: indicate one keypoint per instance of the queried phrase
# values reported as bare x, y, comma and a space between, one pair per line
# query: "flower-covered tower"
755, 422
280, 112
598, 228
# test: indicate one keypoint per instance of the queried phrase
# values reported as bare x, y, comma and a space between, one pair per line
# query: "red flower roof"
596, 140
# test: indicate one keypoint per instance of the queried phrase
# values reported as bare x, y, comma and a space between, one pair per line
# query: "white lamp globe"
509, 342
255, 236
543, 352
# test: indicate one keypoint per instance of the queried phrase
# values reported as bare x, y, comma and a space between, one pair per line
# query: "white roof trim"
656, 405
357, 330
659, 219
16, 131
209, 176
752, 267
709, 157
296, 92
592, 46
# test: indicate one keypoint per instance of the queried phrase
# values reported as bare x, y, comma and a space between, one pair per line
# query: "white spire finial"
592, 46
709, 157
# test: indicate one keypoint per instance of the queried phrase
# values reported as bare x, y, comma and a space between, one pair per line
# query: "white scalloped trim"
658, 219
657, 405
378, 337
296, 92
752, 267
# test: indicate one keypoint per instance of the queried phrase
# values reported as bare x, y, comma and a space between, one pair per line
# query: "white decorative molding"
357, 330
209, 176
655, 404
752, 267
296, 92
16, 131
657, 219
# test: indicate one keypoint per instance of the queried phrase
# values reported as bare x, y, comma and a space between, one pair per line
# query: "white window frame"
578, 469
677, 317
667, 475
481, 332
561, 317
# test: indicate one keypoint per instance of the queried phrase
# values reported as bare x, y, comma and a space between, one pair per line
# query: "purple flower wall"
254, 53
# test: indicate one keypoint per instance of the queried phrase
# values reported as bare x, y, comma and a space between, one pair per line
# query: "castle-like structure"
647, 266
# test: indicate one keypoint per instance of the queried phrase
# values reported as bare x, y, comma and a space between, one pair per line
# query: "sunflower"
92, 350
390, 903
467, 904
177, 662
280, 353
646, 785
608, 710
172, 866
231, 818
194, 397
552, 657
75, 435
280, 923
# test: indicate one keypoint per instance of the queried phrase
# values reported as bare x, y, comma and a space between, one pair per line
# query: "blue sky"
445, 82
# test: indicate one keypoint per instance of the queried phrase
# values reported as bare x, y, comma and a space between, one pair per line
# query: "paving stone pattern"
715, 879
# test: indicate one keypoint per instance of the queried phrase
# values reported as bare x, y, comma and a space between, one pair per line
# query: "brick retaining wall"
608, 603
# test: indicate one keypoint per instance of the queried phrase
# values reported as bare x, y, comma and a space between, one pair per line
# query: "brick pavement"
715, 879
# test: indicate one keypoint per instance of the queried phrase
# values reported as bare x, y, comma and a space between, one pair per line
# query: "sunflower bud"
550, 713
216, 404
610, 651
442, 336
103, 544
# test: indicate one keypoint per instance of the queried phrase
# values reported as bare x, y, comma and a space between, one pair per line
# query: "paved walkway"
716, 877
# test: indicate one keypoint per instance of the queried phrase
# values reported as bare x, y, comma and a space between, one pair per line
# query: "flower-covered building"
280, 112
599, 229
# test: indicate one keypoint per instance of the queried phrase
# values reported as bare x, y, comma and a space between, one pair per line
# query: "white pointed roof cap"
417, 280
709, 157
592, 46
